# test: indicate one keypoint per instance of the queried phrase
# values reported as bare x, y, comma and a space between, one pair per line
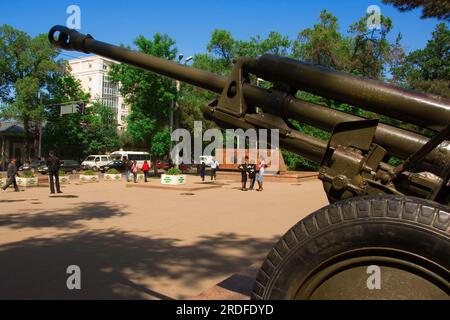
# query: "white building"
92, 72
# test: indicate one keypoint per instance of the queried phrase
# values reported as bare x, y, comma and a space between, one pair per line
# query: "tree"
370, 48
428, 69
149, 95
323, 44
26, 67
64, 134
430, 8
100, 128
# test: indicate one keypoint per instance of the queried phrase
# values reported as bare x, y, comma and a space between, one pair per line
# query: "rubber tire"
419, 226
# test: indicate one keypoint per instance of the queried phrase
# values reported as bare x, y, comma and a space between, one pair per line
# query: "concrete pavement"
141, 243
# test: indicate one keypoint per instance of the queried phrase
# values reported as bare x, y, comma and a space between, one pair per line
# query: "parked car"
163, 165
94, 162
166, 165
33, 165
69, 166
115, 164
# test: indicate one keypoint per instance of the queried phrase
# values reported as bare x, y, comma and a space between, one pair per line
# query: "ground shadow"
64, 218
68, 196
113, 262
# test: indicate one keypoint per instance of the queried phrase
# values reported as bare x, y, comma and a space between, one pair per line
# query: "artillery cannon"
394, 218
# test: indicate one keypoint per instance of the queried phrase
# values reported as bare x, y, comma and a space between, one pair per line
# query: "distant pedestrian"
127, 165
252, 173
261, 170
145, 169
243, 167
11, 173
214, 167
53, 165
203, 170
134, 170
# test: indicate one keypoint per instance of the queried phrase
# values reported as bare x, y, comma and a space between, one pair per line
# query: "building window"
124, 106
110, 94
122, 117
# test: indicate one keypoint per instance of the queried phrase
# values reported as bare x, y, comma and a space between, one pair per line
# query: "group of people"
253, 172
53, 163
214, 167
249, 171
132, 167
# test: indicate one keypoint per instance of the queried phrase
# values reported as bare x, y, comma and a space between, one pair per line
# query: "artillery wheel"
373, 247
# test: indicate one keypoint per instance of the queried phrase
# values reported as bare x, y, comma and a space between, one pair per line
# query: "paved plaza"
142, 243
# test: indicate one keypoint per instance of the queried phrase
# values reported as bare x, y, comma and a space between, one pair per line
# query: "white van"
95, 161
138, 156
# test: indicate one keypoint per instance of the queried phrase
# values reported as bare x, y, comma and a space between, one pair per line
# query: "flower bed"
63, 178
27, 179
173, 177
112, 175
89, 176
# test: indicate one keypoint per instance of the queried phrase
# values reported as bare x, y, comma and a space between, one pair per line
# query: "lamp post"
173, 116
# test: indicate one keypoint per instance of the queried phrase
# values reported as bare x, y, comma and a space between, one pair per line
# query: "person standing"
252, 173
11, 173
203, 170
261, 169
145, 169
127, 165
53, 165
134, 170
243, 168
214, 167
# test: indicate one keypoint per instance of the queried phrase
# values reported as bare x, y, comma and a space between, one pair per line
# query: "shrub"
174, 172
112, 171
62, 173
89, 173
28, 174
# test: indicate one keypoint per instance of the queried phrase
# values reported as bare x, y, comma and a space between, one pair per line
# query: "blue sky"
190, 22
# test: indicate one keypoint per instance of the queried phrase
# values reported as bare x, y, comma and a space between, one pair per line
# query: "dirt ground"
141, 243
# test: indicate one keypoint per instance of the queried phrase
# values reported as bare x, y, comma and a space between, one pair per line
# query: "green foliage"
88, 173
428, 69
160, 143
112, 171
27, 174
295, 162
174, 172
101, 129
430, 8
62, 173
149, 95
26, 68
323, 44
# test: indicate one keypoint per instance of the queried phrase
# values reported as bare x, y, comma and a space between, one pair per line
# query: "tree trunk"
26, 127
155, 168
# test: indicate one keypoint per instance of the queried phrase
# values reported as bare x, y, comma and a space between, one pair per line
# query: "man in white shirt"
214, 167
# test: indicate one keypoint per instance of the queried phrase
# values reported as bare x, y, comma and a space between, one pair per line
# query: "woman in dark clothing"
252, 173
203, 170
243, 168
